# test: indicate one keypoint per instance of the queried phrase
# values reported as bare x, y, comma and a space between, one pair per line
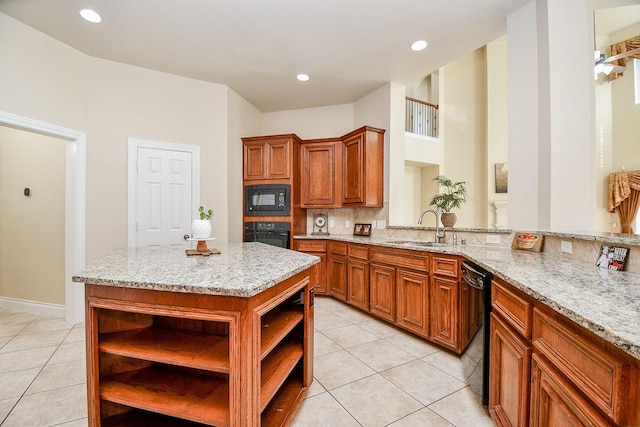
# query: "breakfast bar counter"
223, 340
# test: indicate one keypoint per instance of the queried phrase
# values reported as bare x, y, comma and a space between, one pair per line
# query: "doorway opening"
74, 247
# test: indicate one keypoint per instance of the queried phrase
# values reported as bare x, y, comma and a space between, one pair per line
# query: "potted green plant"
454, 195
201, 228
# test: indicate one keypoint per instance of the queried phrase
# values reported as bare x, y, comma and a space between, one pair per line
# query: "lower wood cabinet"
337, 270
358, 283
382, 291
509, 375
545, 370
319, 249
413, 302
554, 402
444, 312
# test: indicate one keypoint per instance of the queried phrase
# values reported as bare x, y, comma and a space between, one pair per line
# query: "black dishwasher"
479, 278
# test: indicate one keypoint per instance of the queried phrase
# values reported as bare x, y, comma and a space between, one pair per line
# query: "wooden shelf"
276, 325
277, 367
184, 348
285, 404
189, 396
136, 418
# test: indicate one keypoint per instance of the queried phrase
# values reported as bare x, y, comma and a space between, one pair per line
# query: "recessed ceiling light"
418, 45
90, 15
302, 77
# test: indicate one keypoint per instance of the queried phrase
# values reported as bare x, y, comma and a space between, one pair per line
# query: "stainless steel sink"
417, 243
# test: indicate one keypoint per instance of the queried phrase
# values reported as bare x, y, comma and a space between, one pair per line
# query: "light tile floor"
367, 373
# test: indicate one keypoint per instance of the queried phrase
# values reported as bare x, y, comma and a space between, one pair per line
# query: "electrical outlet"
373, 224
493, 239
381, 224
565, 247
332, 223
347, 223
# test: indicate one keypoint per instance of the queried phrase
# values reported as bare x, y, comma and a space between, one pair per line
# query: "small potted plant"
201, 228
454, 195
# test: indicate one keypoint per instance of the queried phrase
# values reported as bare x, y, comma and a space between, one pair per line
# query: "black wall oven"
271, 233
267, 200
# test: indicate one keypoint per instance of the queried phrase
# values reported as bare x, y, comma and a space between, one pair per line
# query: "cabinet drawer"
338, 248
358, 251
593, 369
310, 245
514, 309
414, 260
445, 266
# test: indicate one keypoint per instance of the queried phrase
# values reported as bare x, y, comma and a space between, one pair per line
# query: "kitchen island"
224, 340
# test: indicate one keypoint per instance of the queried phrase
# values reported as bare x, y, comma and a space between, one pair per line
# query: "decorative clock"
320, 225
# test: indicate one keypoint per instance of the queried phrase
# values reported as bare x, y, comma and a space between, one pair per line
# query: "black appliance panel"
267, 200
271, 233
477, 277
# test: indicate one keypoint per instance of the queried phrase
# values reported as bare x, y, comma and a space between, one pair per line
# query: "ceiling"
256, 47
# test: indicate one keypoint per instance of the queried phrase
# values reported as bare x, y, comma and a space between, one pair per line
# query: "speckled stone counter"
605, 302
242, 269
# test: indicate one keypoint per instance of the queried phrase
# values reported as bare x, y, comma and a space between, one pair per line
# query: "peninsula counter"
224, 340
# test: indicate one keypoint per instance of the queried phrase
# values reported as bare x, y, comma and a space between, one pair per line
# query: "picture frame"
612, 257
502, 178
527, 241
360, 229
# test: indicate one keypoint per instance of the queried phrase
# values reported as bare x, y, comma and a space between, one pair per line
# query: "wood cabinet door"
444, 312
509, 363
255, 161
413, 301
353, 170
554, 402
278, 163
337, 276
382, 291
321, 174
358, 283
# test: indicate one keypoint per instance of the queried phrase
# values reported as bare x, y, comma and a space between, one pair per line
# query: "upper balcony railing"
421, 117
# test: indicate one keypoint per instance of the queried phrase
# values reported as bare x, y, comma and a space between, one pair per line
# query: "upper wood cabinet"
363, 167
321, 173
269, 157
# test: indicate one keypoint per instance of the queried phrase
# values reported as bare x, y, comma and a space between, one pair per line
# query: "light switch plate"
332, 223
347, 223
493, 239
565, 247
374, 224
381, 224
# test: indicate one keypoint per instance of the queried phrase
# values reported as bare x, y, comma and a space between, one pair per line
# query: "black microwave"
267, 200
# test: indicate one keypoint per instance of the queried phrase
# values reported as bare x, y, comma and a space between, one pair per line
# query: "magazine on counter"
612, 257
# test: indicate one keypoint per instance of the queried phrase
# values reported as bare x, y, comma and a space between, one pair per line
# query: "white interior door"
164, 196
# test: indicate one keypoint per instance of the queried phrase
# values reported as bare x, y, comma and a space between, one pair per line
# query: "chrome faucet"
439, 237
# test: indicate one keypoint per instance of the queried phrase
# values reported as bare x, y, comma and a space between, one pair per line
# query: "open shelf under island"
225, 340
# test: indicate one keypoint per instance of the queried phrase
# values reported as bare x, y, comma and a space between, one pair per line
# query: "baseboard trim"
47, 309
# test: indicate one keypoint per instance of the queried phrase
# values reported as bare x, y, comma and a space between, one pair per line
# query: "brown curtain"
624, 195
623, 47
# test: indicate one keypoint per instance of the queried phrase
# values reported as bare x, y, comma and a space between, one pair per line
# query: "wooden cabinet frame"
203, 358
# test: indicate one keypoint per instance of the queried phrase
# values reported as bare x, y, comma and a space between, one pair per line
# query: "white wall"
497, 119
310, 123
551, 131
463, 126
32, 229
111, 102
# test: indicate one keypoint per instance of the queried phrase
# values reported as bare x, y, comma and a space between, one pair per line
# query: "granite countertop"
241, 270
605, 302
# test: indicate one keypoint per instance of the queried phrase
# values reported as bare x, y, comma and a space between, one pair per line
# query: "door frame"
134, 144
74, 213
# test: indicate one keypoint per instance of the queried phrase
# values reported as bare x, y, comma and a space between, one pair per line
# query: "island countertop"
240, 270
604, 302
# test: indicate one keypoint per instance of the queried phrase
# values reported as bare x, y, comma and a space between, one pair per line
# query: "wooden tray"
194, 252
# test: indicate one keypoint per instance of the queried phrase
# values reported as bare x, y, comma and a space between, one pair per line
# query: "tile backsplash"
585, 250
